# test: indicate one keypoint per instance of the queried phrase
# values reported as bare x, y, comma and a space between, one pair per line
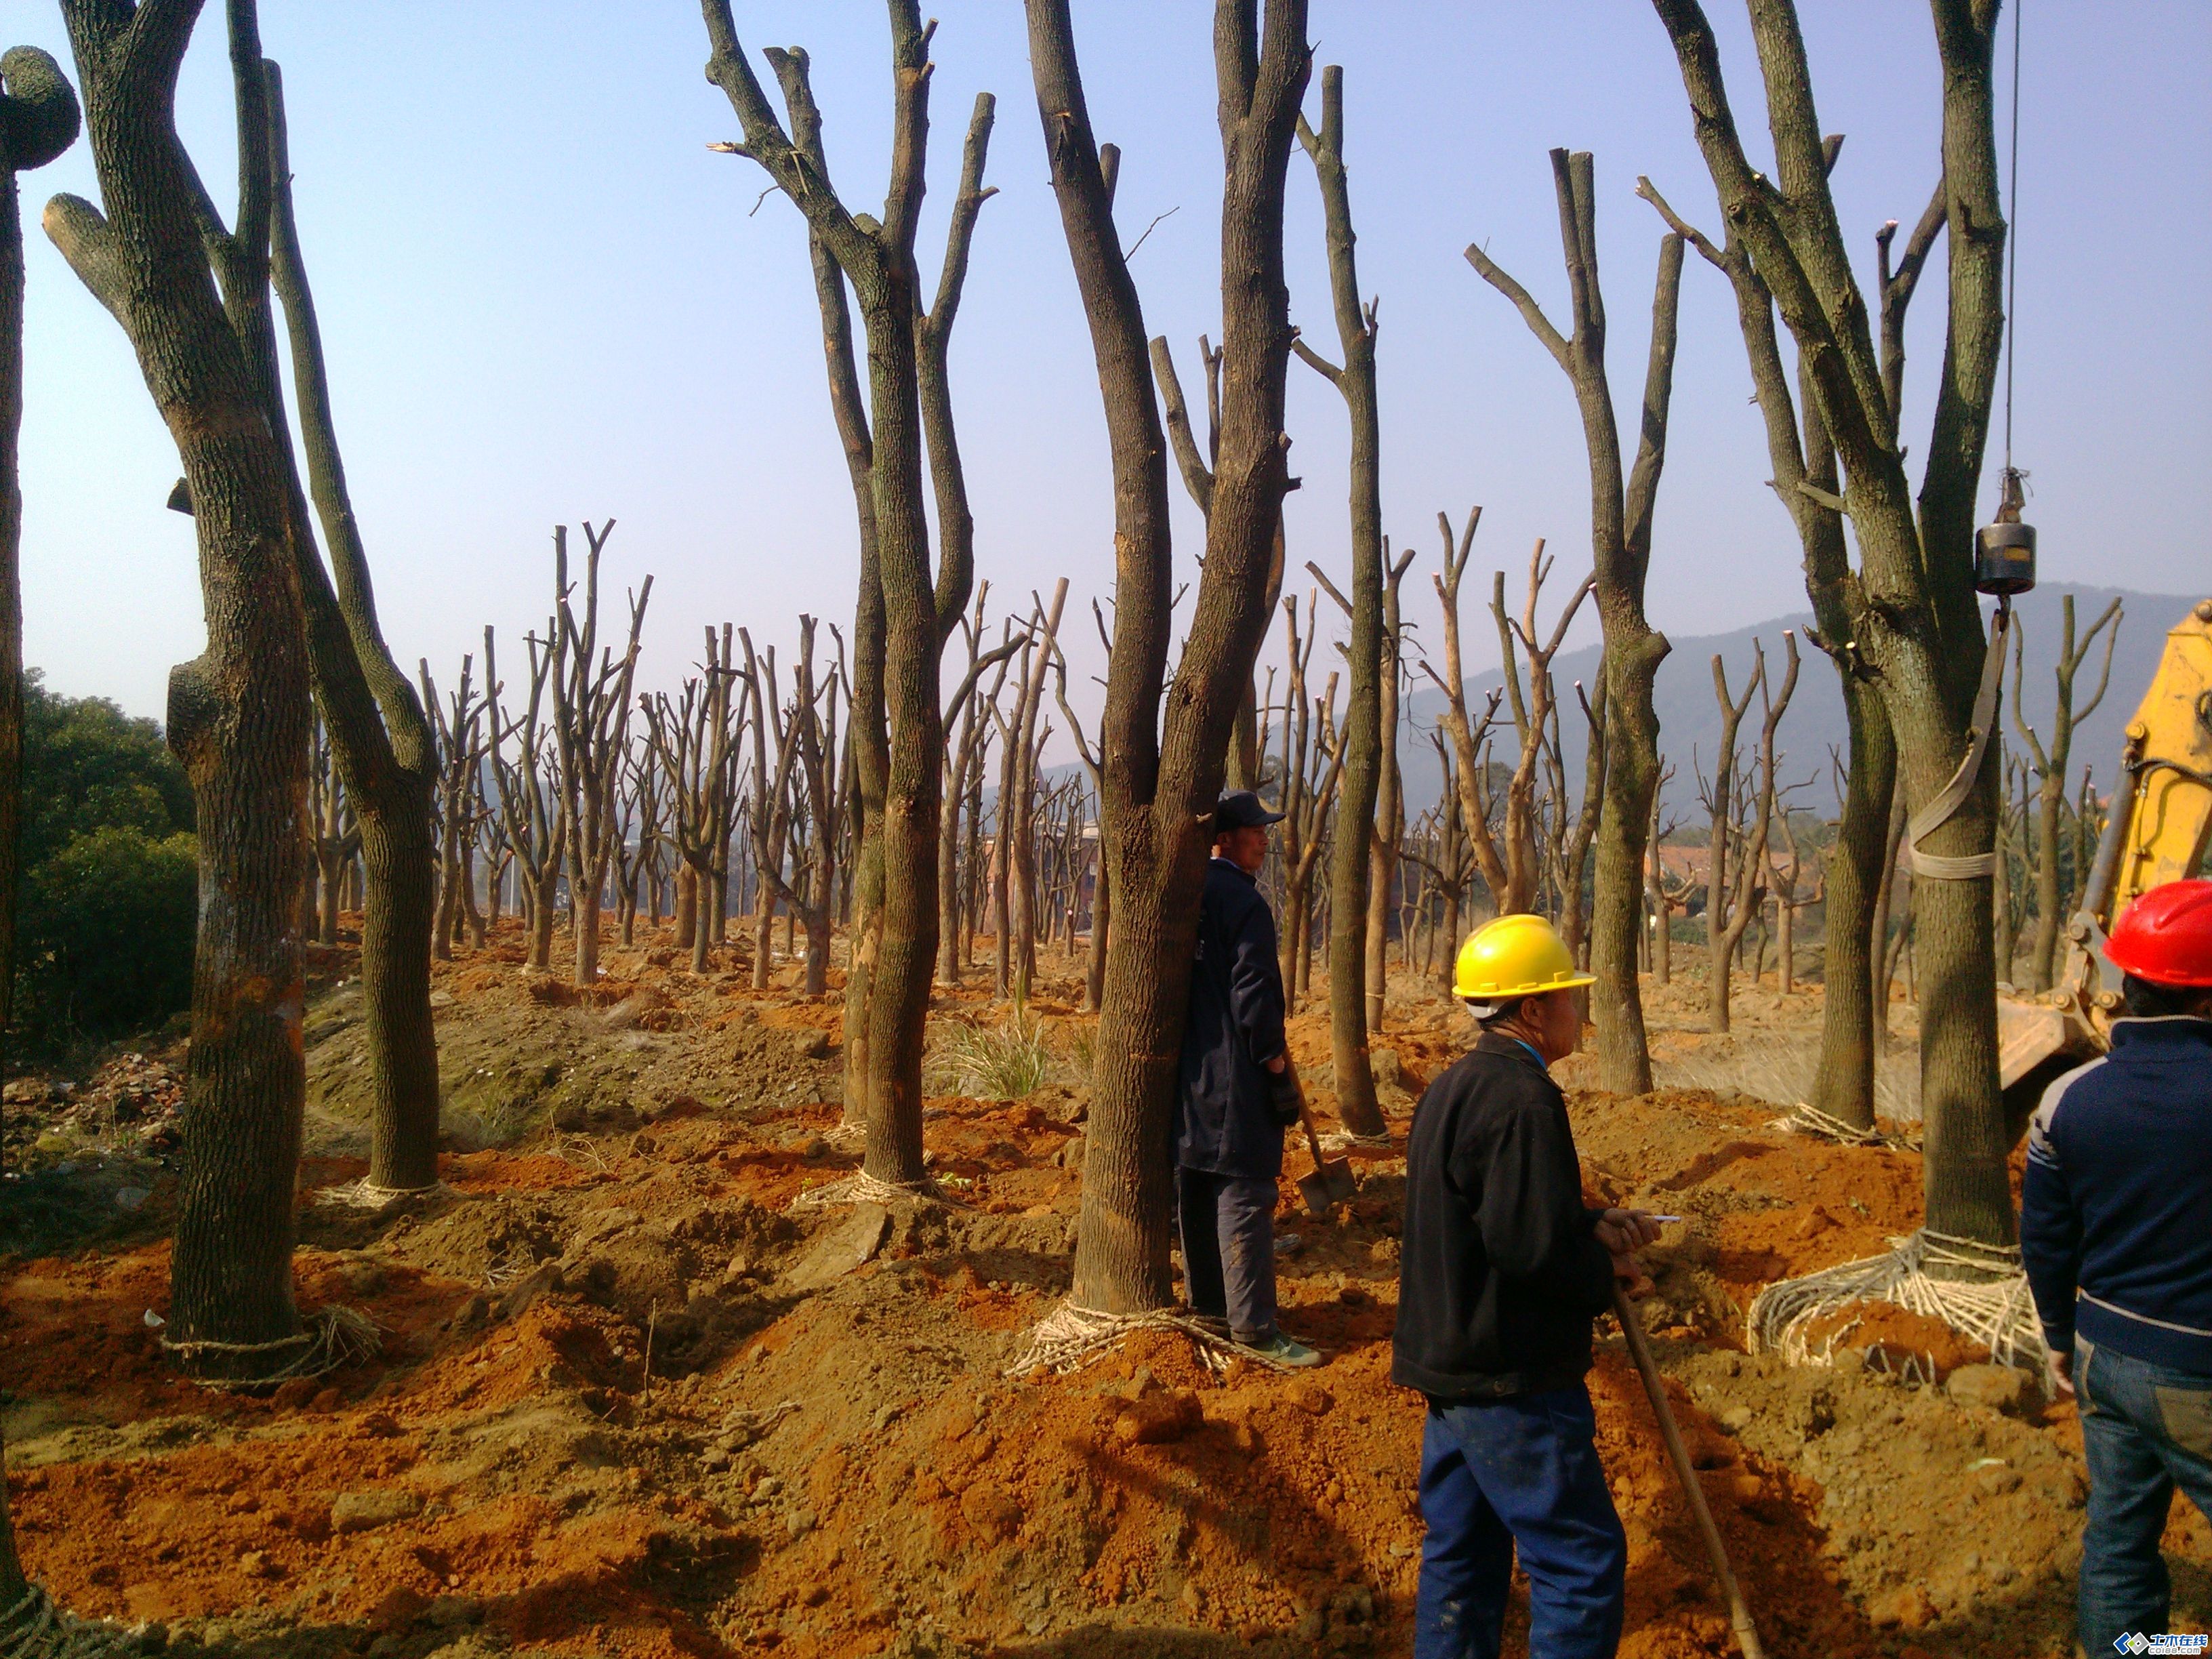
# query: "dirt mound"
629, 1403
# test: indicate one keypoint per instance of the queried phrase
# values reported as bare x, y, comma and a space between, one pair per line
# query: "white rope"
1067, 1336
366, 1194
339, 1336
1809, 1119
861, 1188
847, 1134
1989, 1302
34, 1628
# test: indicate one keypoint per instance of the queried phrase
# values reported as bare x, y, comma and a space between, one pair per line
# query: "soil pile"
630, 1401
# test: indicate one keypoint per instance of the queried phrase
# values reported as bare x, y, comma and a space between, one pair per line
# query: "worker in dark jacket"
1502, 1270
1237, 1088
2112, 1234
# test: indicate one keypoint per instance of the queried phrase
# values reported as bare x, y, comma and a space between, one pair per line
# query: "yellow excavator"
2156, 828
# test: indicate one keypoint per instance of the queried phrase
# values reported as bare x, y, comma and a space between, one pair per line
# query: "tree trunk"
1158, 793
1362, 736
1620, 535
238, 714
38, 120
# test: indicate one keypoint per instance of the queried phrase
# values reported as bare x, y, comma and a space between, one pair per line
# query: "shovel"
1332, 1183
1639, 1349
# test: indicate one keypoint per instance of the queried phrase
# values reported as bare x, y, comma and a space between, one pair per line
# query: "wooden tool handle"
1305, 1115
1639, 1345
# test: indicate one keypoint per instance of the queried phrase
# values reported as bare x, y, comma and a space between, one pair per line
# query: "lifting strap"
1939, 812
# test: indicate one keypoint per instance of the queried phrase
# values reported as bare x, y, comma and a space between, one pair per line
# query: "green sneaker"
1285, 1350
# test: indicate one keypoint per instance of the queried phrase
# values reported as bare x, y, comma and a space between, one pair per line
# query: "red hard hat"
2166, 936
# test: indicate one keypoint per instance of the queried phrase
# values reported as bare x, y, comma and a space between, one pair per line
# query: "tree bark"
1919, 628
238, 713
1361, 740
1160, 790
38, 120
1620, 541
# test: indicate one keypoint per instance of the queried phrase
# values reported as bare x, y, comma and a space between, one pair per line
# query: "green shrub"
105, 945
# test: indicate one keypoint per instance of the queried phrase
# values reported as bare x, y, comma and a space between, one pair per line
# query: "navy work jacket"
2112, 1208
1225, 1122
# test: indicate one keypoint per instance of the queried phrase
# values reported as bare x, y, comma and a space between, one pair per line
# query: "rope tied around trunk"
1070, 1334
861, 1188
366, 1194
1810, 1120
336, 1336
1984, 1296
34, 1628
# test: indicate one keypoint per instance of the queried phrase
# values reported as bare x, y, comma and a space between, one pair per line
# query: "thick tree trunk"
238, 714
38, 120
1843, 1085
1158, 793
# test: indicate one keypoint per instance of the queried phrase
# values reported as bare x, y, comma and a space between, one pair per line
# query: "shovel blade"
1330, 1184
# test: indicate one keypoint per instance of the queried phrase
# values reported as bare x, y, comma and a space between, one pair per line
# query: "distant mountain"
1689, 720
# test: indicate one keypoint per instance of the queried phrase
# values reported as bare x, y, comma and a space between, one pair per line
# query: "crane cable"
2012, 241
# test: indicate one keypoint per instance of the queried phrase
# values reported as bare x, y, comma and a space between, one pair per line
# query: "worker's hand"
1628, 1273
2060, 1369
1279, 1065
1283, 1097
1622, 1232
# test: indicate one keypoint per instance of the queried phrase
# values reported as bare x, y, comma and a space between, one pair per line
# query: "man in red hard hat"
2113, 1235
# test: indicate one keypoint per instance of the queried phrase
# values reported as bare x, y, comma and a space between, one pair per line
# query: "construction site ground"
629, 1401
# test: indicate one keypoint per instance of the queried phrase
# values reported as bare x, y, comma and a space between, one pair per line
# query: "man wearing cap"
1238, 1093
1502, 1270
2112, 1234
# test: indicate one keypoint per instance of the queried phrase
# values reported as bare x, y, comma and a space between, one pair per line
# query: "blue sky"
544, 300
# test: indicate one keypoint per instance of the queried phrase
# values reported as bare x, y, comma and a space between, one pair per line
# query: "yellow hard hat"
1518, 955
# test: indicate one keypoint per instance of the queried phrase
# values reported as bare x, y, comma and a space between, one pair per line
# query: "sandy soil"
629, 1403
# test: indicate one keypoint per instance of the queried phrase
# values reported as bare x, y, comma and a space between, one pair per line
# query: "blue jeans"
1228, 1229
2145, 1430
1520, 1471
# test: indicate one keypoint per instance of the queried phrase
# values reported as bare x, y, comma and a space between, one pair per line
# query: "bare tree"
38, 120
1163, 776
1620, 541
1468, 734
1742, 814
1915, 622
695, 737
238, 714
2049, 764
1805, 480
533, 806
1351, 859
897, 952
1532, 713
459, 730
1389, 826
334, 832
590, 726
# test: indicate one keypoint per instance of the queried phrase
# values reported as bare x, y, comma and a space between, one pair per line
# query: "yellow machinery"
2155, 831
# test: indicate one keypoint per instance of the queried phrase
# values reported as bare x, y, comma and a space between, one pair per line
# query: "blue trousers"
1520, 1471
2145, 1430
1228, 1228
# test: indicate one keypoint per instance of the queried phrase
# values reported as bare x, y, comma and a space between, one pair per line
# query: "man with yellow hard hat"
1503, 1269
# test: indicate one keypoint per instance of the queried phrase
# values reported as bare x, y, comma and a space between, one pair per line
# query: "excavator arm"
2156, 828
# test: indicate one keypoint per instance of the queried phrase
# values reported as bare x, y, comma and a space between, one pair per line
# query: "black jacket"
1501, 1271
1225, 1123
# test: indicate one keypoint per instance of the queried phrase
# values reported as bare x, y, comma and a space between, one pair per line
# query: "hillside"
1689, 716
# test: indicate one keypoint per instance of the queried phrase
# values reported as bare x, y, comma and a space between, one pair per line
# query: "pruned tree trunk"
1620, 540
1161, 784
238, 713
1360, 746
38, 120
1917, 626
